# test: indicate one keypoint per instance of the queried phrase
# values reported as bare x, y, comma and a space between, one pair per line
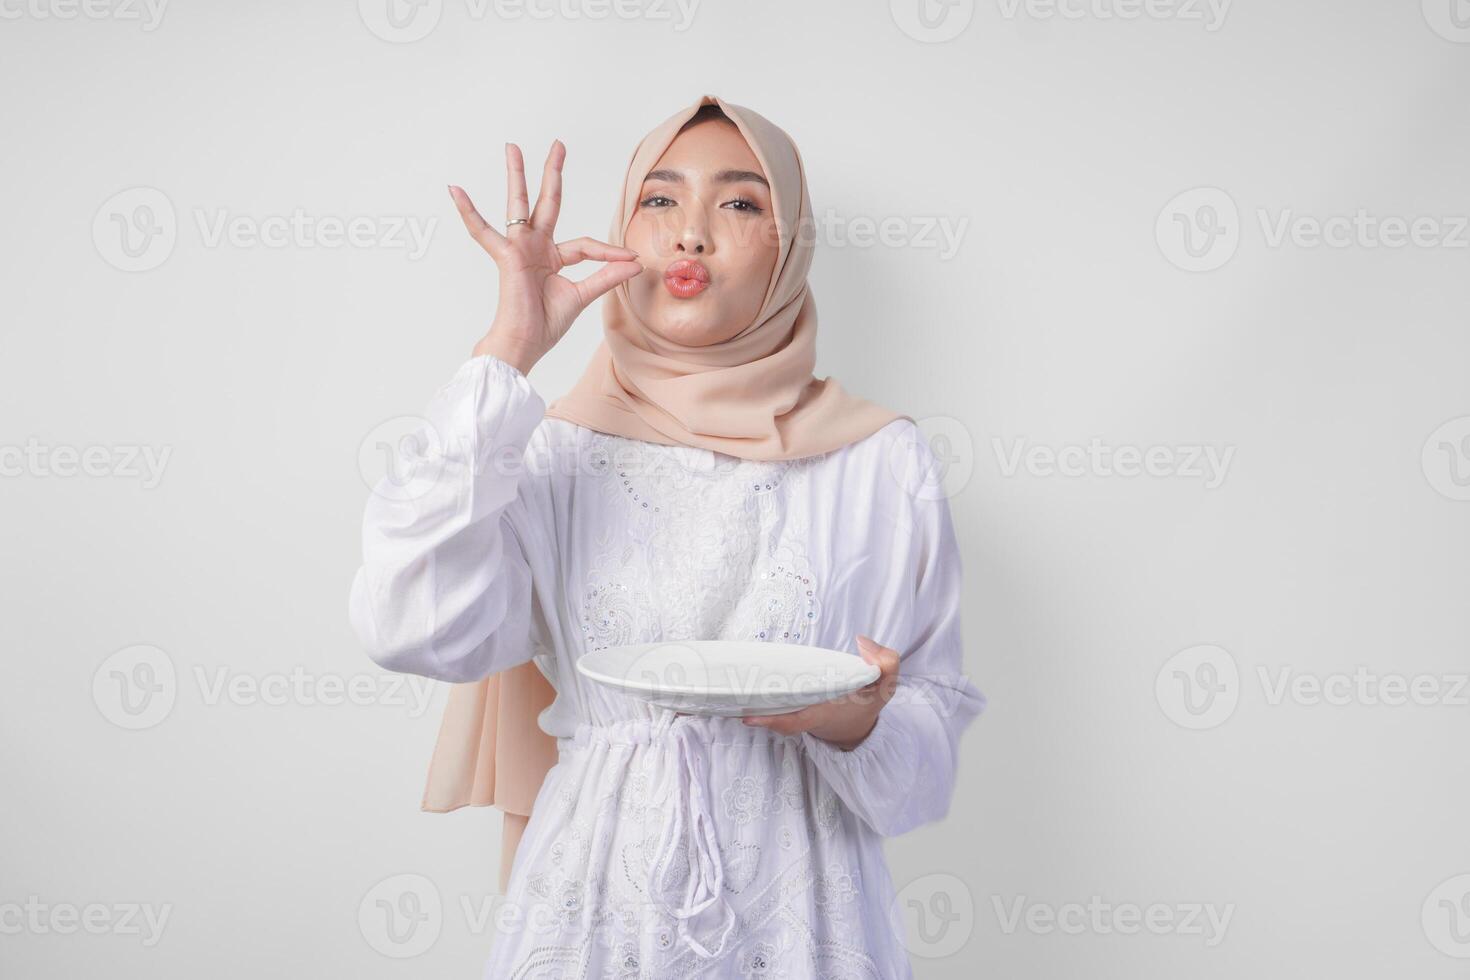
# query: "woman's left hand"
846, 721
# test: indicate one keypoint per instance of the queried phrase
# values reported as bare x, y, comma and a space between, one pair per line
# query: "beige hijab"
753, 396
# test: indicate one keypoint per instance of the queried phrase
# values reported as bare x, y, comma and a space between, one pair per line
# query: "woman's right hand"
537, 305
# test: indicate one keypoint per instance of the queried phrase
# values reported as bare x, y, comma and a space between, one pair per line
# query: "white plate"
730, 678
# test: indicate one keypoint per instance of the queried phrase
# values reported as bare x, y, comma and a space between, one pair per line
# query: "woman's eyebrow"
740, 177
723, 177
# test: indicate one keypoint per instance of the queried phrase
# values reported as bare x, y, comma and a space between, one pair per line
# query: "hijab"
753, 396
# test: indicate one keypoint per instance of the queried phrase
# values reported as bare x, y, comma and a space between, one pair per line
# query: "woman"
697, 483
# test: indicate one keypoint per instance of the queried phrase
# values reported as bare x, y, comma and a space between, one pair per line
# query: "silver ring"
517, 221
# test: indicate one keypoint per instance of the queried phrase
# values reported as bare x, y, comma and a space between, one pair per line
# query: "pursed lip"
687, 269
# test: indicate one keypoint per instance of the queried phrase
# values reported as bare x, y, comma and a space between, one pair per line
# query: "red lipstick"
686, 278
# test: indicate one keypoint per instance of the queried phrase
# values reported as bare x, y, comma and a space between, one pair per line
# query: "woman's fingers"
847, 720
582, 249
548, 199
885, 658
517, 204
604, 279
790, 723
480, 230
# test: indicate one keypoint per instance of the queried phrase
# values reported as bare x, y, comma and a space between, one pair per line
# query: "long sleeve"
444, 589
902, 775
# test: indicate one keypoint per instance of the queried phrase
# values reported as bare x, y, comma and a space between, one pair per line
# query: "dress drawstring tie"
691, 811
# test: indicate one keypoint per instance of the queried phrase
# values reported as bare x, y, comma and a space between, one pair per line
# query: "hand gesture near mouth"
537, 305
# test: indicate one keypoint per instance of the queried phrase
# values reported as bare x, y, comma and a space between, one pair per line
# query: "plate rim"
648, 688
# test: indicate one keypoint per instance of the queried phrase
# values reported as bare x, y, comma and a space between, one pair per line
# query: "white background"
1056, 142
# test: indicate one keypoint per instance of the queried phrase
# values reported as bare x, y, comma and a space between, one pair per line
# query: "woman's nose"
694, 236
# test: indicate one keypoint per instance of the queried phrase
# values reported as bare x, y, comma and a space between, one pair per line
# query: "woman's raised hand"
538, 305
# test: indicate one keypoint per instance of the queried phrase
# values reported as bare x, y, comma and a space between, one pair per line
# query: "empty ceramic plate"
728, 677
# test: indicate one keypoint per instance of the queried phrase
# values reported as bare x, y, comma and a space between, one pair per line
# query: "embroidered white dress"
664, 845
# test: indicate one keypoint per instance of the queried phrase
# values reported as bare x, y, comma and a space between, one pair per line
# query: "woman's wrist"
850, 737
516, 355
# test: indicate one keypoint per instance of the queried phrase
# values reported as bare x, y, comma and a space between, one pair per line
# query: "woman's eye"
655, 201
744, 204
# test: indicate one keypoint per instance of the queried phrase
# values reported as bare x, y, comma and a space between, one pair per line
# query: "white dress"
664, 845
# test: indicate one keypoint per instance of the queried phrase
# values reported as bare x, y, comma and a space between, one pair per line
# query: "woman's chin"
689, 328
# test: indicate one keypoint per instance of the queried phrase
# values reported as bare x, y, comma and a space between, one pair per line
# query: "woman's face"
706, 235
